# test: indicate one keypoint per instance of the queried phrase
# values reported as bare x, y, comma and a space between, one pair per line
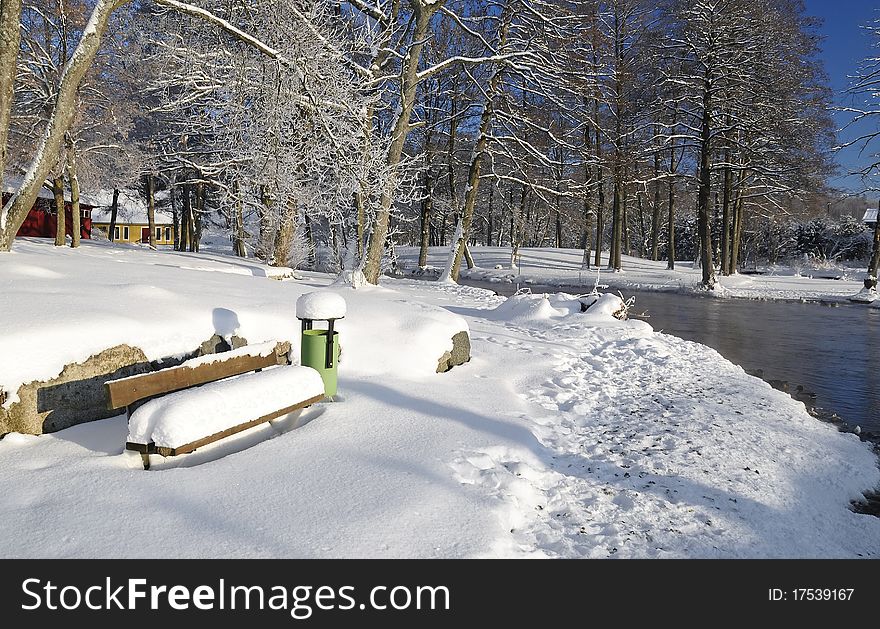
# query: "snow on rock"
396, 336
256, 350
528, 307
185, 416
866, 296
604, 307
323, 304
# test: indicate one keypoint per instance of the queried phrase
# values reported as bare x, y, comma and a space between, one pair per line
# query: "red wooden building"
42, 221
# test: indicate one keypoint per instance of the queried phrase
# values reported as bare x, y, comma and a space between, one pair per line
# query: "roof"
870, 216
12, 183
132, 209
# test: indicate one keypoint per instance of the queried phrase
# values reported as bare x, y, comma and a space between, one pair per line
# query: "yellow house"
131, 219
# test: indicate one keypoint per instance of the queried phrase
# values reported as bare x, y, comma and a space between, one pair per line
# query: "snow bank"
323, 304
528, 307
396, 336
185, 416
550, 266
866, 296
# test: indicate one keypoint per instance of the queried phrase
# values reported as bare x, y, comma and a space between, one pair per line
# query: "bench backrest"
127, 391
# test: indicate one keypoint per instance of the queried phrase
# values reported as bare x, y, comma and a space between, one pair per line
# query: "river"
832, 351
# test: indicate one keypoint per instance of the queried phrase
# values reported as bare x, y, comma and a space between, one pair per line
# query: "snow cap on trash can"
321, 305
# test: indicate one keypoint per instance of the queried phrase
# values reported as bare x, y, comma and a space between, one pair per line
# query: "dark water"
831, 351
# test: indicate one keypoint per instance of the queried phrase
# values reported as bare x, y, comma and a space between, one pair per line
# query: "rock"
77, 395
779, 385
460, 354
217, 344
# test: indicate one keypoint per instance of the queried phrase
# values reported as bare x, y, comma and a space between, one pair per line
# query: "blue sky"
844, 47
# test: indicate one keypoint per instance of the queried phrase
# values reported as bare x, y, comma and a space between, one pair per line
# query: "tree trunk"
468, 257
175, 212
75, 218
360, 207
264, 247
704, 191
422, 14
114, 209
238, 247
284, 235
198, 215
737, 225
10, 39
151, 209
15, 211
489, 226
655, 211
587, 237
600, 191
670, 227
58, 192
616, 220
517, 229
642, 231
310, 238
486, 118
450, 154
586, 234
726, 216
558, 230
624, 223
427, 208
186, 219
457, 241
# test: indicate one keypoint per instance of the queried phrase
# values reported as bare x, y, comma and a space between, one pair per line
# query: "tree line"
604, 126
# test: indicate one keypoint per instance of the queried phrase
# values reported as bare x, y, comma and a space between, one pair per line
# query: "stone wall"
77, 395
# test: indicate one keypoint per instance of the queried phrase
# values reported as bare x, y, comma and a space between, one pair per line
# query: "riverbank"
826, 352
562, 269
568, 434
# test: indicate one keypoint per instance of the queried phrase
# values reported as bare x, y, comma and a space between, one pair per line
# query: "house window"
115, 233
84, 213
125, 233
168, 233
158, 233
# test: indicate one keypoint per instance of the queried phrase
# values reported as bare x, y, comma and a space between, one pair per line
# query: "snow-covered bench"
176, 410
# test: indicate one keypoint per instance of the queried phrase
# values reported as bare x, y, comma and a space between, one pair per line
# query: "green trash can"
320, 348
315, 354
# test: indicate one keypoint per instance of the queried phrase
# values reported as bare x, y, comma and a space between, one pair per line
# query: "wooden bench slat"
126, 391
143, 448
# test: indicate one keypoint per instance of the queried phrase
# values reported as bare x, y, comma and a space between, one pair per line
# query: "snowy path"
657, 447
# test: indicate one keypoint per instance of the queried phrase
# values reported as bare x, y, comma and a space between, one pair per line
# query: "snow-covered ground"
562, 267
568, 434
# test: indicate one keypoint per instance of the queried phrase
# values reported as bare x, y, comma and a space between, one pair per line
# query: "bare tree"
866, 87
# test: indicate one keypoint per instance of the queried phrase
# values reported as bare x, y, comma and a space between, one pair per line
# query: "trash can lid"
321, 305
